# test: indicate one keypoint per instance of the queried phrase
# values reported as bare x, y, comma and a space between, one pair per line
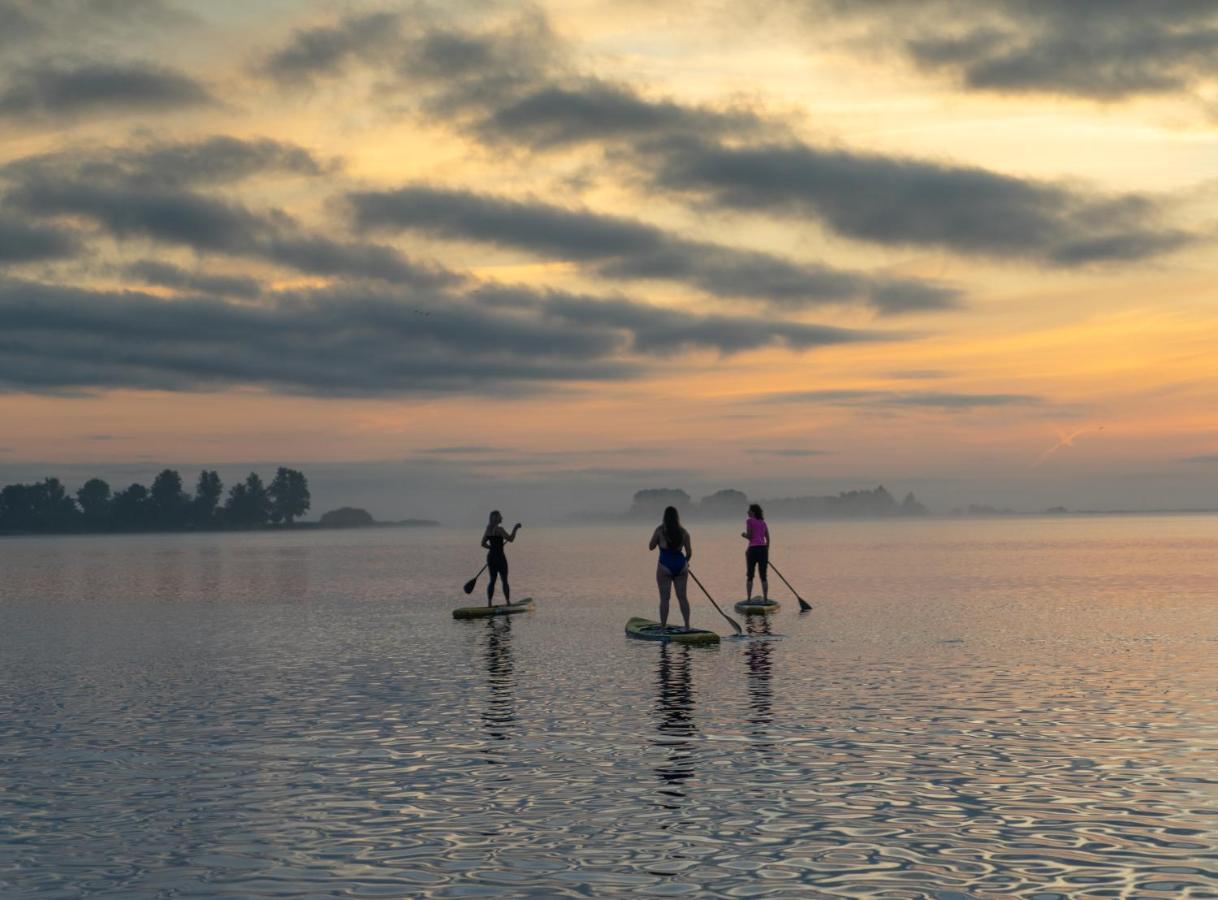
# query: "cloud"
353, 341
168, 275
1097, 49
923, 399
213, 225
326, 50
26, 23
514, 84
791, 452
24, 242
57, 89
910, 202
655, 328
1203, 458
615, 247
212, 161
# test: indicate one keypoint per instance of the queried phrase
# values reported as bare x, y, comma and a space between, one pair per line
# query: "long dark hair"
756, 512
672, 528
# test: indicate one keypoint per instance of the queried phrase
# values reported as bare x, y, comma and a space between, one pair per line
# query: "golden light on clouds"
702, 232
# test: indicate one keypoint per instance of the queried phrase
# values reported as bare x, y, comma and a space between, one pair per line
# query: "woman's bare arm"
509, 537
689, 547
655, 540
486, 540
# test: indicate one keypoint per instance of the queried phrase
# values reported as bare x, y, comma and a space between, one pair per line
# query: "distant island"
46, 507
730, 503
354, 517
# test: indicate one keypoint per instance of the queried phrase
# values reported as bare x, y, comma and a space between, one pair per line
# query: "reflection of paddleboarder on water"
758, 554
493, 539
500, 712
672, 570
675, 727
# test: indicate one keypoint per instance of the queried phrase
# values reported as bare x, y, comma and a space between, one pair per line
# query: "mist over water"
972, 709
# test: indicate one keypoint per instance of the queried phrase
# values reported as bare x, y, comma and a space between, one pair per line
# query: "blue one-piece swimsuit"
673, 560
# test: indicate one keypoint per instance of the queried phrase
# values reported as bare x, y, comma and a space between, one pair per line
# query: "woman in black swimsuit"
493, 539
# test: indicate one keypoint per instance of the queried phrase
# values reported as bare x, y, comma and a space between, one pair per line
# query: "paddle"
730, 620
804, 605
469, 585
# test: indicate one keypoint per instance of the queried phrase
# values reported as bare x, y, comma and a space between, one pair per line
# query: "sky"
449, 255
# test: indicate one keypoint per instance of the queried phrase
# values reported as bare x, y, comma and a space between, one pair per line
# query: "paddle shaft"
730, 620
803, 604
469, 585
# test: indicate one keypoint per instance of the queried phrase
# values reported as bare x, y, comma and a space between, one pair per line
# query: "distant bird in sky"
1065, 440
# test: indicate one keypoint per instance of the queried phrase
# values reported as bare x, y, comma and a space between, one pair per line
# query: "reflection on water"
973, 710
760, 681
675, 728
499, 712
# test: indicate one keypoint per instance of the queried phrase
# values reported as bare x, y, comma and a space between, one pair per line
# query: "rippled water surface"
972, 709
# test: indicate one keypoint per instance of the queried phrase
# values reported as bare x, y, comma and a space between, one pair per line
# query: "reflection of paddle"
730, 620
804, 605
469, 585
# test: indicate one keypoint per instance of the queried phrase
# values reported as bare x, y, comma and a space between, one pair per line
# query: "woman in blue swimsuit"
673, 567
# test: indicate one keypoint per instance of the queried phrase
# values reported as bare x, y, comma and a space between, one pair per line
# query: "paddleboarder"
757, 556
672, 569
493, 539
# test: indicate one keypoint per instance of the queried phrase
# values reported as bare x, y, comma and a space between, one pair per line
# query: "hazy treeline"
731, 503
46, 507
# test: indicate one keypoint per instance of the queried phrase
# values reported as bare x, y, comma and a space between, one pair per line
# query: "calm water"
973, 709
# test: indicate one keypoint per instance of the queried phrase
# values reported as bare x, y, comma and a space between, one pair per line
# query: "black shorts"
755, 557
497, 564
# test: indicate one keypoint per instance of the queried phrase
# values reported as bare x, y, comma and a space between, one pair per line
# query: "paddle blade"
468, 587
733, 623
804, 605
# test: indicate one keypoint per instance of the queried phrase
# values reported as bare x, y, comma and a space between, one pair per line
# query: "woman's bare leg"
682, 582
664, 582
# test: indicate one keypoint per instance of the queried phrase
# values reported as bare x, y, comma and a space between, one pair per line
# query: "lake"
991, 708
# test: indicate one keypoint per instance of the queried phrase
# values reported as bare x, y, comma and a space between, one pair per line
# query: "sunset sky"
444, 255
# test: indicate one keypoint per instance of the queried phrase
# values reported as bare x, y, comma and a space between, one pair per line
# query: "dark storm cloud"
211, 224
891, 200
57, 89
168, 275
925, 400
351, 341
1099, 49
22, 241
621, 248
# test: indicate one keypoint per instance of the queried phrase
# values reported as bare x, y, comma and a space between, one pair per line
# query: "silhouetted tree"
289, 492
44, 506
726, 503
248, 504
94, 500
131, 509
208, 492
170, 505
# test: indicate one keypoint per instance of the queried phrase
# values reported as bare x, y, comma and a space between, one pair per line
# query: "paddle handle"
730, 620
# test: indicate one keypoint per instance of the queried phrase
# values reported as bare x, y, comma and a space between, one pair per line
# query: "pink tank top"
757, 531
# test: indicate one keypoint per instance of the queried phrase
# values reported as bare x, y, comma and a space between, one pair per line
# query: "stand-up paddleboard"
757, 606
478, 612
647, 630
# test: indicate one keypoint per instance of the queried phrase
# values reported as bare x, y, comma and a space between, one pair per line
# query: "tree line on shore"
46, 507
730, 503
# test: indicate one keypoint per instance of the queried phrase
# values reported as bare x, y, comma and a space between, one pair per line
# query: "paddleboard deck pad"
480, 612
757, 607
647, 630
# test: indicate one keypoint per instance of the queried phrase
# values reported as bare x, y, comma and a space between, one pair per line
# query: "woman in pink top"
758, 555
